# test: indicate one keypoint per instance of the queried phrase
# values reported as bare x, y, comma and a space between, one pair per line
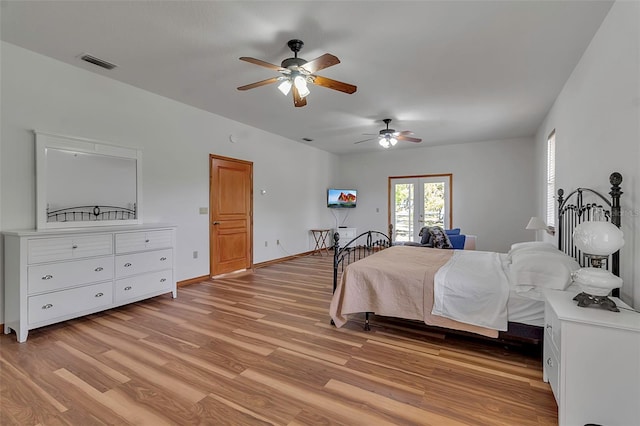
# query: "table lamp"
597, 240
536, 223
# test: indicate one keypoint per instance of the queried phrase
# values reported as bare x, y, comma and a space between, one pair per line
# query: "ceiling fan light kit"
297, 73
387, 141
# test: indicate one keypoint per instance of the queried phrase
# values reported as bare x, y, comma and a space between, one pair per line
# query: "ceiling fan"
297, 73
389, 137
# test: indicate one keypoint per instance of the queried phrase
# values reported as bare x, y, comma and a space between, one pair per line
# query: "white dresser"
592, 362
53, 276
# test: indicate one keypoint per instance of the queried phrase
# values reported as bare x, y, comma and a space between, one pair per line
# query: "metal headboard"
91, 213
358, 248
574, 209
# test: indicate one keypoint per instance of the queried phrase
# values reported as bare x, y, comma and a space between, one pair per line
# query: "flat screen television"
341, 198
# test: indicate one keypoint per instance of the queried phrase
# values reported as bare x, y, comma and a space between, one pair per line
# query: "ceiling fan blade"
366, 140
259, 83
298, 100
261, 63
325, 61
405, 132
408, 138
334, 84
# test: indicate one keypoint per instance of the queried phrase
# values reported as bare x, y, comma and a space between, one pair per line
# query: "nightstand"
592, 361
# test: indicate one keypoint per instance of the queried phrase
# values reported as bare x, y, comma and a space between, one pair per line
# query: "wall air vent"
97, 61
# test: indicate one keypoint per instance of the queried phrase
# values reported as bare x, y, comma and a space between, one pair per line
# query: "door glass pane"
434, 204
403, 211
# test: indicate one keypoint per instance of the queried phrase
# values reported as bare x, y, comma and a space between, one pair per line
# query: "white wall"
486, 175
1, 160
597, 122
40, 93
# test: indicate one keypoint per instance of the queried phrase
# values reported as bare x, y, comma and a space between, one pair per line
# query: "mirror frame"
48, 141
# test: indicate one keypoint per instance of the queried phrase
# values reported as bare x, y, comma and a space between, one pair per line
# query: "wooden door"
231, 215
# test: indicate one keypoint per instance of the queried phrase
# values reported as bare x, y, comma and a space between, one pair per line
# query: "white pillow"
532, 246
544, 269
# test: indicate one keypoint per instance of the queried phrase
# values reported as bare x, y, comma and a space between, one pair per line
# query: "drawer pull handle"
146, 241
126, 265
74, 246
99, 268
163, 280
47, 277
47, 306
163, 258
127, 288
99, 294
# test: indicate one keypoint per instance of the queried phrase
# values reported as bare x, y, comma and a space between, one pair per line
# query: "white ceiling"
450, 71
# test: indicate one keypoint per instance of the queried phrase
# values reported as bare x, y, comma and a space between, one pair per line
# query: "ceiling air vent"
97, 61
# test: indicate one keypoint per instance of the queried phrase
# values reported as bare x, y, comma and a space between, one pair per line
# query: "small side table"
320, 237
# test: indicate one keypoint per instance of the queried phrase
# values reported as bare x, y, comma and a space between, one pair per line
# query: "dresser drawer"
139, 263
136, 241
56, 276
552, 367
140, 285
69, 247
552, 328
65, 303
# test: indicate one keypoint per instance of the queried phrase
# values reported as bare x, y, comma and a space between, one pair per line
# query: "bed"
497, 295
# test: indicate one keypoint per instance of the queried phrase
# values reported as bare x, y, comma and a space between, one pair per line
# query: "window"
551, 179
417, 201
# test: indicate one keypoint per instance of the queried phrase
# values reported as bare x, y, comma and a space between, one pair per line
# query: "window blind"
551, 179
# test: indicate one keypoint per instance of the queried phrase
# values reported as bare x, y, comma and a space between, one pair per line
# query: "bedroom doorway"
417, 201
230, 215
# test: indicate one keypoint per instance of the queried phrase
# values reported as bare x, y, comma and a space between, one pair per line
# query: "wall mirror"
80, 182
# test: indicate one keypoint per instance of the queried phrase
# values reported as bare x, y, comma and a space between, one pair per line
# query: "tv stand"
346, 234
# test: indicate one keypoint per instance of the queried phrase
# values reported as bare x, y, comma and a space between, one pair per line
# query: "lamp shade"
301, 84
536, 223
285, 87
598, 238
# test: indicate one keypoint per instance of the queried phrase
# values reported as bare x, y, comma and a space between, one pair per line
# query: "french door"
417, 201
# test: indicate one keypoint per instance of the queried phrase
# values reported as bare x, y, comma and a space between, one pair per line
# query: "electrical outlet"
195, 254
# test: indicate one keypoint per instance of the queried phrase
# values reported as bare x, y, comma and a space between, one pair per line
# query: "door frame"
210, 224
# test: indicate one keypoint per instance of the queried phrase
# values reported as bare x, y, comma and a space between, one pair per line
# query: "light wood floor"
259, 349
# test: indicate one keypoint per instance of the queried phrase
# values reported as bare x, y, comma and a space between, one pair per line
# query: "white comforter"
472, 287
